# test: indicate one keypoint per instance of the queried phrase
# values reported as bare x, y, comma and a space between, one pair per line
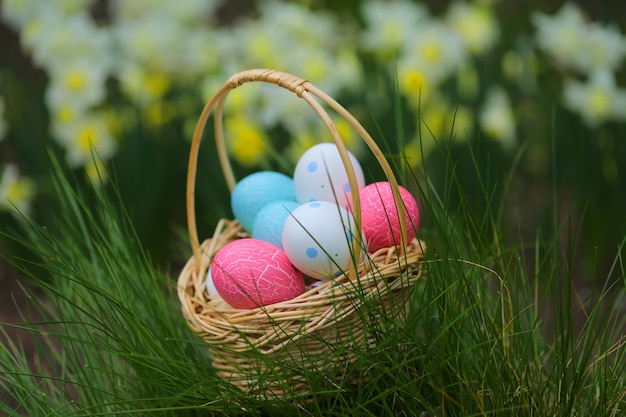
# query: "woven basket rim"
217, 317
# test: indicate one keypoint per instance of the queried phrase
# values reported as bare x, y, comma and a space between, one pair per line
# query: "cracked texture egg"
379, 217
250, 273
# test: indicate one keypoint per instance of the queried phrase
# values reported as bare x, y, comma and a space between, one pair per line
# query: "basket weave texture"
267, 350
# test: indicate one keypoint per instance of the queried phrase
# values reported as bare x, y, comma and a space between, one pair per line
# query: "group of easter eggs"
302, 229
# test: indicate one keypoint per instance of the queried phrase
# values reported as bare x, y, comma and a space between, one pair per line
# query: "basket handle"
305, 90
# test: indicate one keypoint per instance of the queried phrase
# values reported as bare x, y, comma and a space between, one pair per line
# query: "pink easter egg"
250, 273
379, 217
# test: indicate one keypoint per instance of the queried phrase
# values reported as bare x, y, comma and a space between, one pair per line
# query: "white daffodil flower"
475, 25
16, 192
597, 100
497, 118
577, 44
389, 25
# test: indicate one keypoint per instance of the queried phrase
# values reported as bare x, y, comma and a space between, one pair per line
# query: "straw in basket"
269, 350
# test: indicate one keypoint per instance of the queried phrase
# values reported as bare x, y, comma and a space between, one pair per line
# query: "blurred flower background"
117, 86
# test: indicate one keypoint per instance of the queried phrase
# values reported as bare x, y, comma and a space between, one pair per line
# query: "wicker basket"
266, 350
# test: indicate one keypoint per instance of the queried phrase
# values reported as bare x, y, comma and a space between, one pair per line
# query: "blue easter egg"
257, 190
270, 222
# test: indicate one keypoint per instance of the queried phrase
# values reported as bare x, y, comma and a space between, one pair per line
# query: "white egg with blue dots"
270, 221
257, 190
321, 175
318, 238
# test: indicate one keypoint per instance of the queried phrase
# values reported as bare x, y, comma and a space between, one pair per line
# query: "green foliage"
106, 327
493, 329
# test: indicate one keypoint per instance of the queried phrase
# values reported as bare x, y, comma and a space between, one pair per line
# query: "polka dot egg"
318, 238
257, 190
250, 273
379, 216
321, 175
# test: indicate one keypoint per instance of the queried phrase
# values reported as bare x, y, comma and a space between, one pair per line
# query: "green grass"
495, 328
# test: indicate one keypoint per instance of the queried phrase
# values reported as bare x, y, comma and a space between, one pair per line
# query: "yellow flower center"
157, 84
238, 98
31, 31
87, 138
262, 49
66, 114
414, 83
316, 70
96, 172
345, 131
249, 147
473, 28
391, 34
20, 190
412, 155
434, 118
248, 141
600, 102
431, 52
75, 81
